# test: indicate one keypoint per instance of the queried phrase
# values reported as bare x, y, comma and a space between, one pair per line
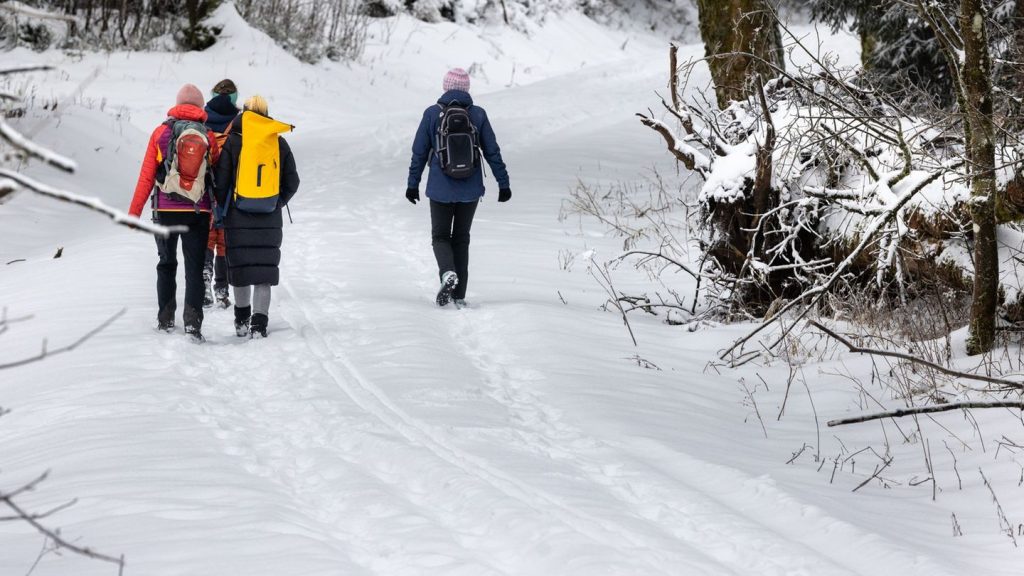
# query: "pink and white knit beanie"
189, 94
456, 79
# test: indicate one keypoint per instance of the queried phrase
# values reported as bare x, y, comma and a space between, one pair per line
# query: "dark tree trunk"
742, 42
976, 79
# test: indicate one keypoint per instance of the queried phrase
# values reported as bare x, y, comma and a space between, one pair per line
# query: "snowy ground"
373, 433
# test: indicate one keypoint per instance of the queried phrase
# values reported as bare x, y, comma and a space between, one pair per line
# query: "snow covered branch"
20, 142
11, 181
692, 158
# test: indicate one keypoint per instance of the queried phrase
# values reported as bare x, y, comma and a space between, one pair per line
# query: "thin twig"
47, 353
938, 367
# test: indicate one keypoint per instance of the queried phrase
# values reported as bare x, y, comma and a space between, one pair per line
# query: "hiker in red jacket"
176, 173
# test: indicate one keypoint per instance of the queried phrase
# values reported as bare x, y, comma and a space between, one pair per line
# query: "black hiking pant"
193, 248
450, 224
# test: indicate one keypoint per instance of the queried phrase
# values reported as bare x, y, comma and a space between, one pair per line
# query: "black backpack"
457, 142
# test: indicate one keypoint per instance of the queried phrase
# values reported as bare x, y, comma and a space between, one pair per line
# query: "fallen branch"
900, 355
926, 410
25, 68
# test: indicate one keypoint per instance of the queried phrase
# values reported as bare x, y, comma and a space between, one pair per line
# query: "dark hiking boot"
193, 320
165, 320
208, 282
242, 321
460, 303
220, 294
195, 334
448, 283
258, 327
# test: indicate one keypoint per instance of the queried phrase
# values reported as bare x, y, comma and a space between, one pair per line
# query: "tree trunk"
976, 79
741, 42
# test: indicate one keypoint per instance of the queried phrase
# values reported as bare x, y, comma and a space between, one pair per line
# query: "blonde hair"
257, 104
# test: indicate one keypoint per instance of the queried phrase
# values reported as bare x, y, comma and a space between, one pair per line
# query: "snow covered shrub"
818, 184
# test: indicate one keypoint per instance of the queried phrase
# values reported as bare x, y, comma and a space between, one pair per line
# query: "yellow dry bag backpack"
258, 181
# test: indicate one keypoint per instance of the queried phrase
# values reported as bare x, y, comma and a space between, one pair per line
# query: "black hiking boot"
195, 334
165, 320
242, 321
193, 323
448, 283
208, 280
258, 327
220, 294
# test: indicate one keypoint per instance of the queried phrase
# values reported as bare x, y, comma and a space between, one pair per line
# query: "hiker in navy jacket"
453, 201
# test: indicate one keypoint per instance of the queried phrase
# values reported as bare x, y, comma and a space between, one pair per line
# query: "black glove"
412, 194
504, 195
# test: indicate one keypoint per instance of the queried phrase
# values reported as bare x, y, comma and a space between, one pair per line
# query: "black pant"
449, 226
193, 248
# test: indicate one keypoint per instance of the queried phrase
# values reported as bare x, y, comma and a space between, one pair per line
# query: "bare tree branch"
926, 410
47, 353
1007, 384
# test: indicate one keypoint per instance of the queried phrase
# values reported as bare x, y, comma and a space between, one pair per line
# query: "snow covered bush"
818, 184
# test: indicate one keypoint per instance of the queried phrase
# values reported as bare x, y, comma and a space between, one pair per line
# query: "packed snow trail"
373, 433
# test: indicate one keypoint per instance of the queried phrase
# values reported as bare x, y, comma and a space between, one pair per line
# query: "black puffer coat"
253, 240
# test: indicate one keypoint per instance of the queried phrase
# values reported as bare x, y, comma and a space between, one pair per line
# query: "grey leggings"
257, 296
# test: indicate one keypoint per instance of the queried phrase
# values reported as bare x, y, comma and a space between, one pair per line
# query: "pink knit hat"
456, 79
189, 94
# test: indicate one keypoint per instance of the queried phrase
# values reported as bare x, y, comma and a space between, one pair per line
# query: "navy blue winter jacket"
441, 187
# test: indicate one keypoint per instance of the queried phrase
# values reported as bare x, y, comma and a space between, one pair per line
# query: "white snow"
373, 433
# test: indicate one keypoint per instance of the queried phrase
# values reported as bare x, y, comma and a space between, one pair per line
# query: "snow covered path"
373, 433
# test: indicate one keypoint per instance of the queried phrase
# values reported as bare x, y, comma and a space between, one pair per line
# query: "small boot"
242, 321
222, 297
258, 328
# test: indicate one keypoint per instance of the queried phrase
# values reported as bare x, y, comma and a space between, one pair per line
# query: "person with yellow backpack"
254, 179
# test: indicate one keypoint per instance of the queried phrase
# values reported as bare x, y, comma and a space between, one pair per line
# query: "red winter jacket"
156, 150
